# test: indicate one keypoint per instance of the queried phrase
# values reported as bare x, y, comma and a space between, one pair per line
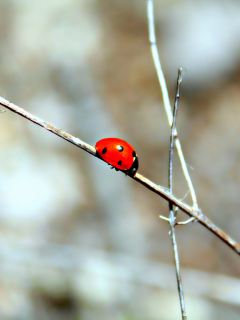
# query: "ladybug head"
134, 166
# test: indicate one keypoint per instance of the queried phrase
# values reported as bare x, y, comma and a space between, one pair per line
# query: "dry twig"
166, 101
173, 211
192, 212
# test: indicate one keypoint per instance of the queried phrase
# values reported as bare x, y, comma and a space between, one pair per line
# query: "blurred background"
80, 241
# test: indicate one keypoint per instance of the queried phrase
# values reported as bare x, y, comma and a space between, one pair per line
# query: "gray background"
80, 241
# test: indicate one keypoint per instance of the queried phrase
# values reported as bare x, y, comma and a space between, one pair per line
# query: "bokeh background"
80, 241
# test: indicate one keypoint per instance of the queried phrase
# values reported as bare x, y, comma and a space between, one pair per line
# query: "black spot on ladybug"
119, 162
134, 154
104, 151
120, 148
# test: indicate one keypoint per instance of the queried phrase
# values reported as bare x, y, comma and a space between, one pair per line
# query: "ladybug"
118, 153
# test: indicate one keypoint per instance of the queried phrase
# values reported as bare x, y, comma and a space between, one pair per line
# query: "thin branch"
177, 266
173, 128
27, 115
172, 140
172, 211
181, 223
161, 191
166, 101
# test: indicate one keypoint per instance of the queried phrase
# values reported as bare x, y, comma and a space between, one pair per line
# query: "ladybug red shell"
118, 153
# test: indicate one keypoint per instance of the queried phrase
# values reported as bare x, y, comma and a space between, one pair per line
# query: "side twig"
166, 101
172, 211
191, 211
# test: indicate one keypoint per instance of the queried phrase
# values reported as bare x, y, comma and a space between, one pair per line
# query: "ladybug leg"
112, 167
